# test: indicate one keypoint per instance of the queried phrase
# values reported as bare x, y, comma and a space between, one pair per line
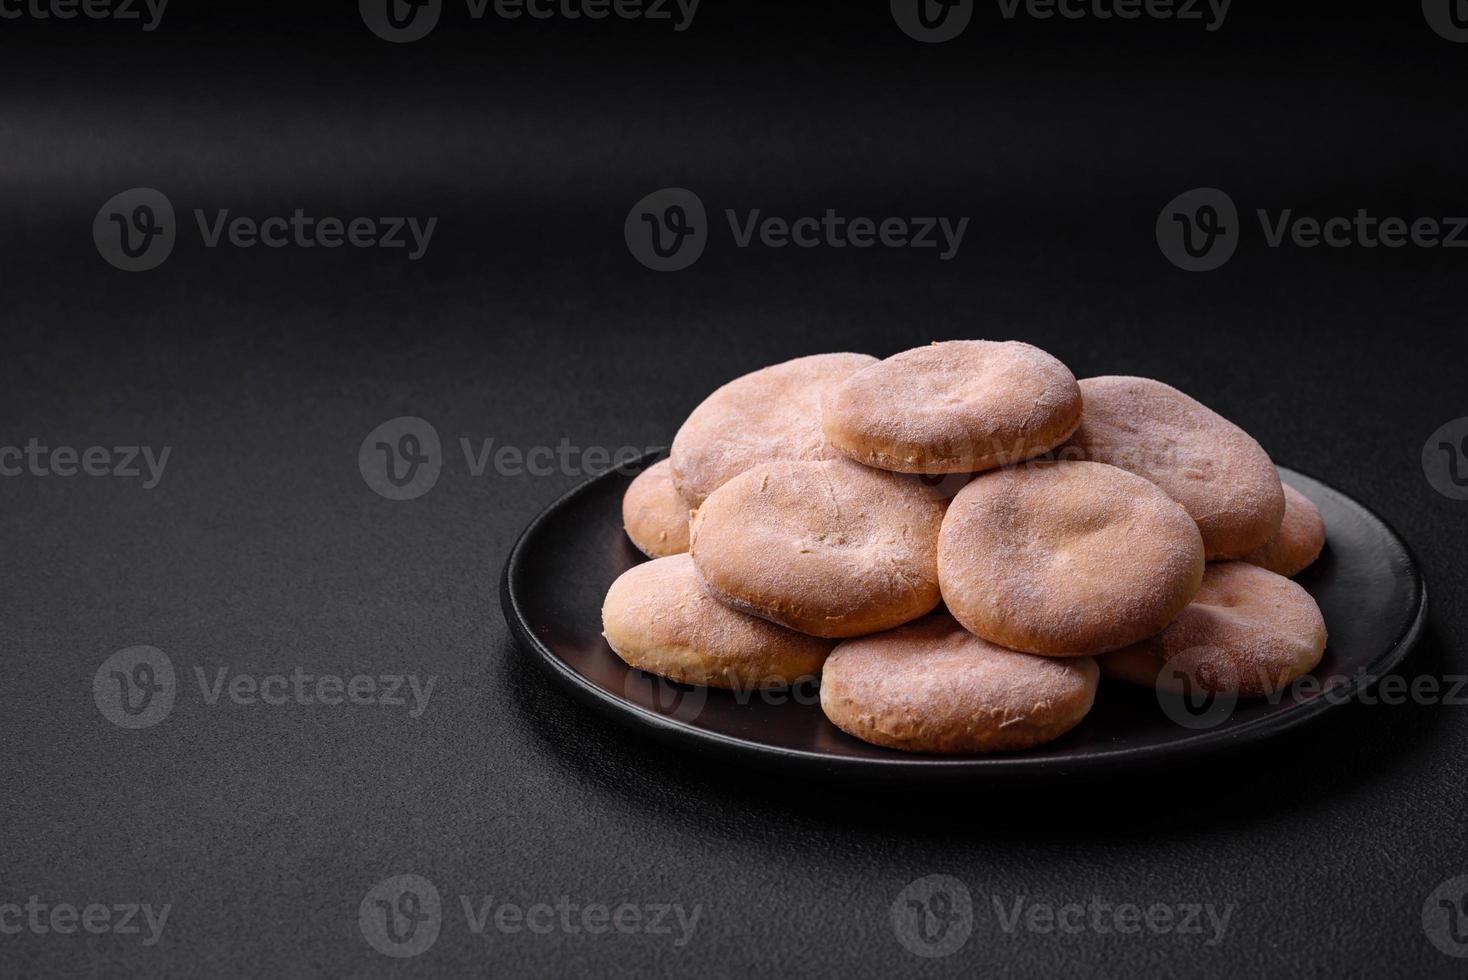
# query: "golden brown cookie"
829, 547
659, 618
773, 413
955, 407
932, 686
1066, 558
1299, 540
1248, 632
655, 514
1215, 469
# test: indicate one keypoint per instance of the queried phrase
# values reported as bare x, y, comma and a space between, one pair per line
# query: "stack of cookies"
959, 540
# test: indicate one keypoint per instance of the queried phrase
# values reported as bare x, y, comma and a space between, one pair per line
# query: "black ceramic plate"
1367, 585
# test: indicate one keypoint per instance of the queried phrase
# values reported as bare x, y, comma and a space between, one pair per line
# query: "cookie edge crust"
841, 709
683, 664
782, 614
895, 457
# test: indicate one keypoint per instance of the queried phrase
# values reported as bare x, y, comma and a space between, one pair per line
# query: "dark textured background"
528, 322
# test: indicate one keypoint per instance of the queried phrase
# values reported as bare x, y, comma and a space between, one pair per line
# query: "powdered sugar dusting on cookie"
827, 547
770, 414
954, 407
1248, 632
1066, 558
1222, 477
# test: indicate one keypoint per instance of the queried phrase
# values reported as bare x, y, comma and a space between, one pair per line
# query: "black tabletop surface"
251, 824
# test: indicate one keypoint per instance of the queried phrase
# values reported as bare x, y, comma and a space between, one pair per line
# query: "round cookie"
773, 413
659, 618
828, 547
1299, 540
1067, 558
932, 686
654, 514
955, 407
1215, 469
1249, 632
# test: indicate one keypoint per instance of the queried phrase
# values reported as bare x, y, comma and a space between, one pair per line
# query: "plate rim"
690, 736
